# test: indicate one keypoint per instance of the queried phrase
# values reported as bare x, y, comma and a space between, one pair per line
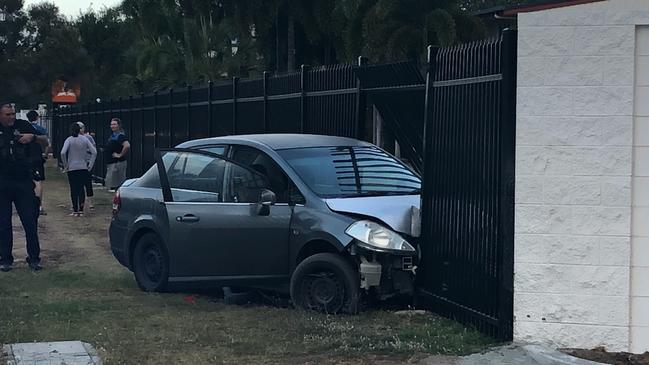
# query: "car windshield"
338, 172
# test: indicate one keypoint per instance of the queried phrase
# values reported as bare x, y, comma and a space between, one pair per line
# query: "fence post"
129, 166
155, 119
171, 117
507, 148
265, 101
110, 109
235, 86
142, 135
359, 116
189, 112
120, 110
210, 84
302, 98
428, 136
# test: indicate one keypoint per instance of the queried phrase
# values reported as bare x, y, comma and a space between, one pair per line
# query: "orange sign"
65, 92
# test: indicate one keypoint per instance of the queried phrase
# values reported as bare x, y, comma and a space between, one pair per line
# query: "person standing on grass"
40, 150
116, 150
76, 163
17, 186
88, 182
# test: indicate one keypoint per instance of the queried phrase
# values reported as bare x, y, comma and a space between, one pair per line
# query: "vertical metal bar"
359, 115
110, 109
142, 135
120, 111
235, 86
302, 98
265, 85
171, 117
155, 119
189, 113
470, 181
507, 178
489, 255
210, 86
129, 166
428, 141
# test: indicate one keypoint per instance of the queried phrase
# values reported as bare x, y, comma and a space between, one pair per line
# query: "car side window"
260, 162
151, 178
243, 186
194, 177
219, 150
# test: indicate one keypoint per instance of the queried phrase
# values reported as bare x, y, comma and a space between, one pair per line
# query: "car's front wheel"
327, 283
150, 264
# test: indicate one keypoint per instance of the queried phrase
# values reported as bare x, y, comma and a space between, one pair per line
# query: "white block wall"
639, 340
574, 177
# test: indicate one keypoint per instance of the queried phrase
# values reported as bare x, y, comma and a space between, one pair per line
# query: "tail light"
117, 203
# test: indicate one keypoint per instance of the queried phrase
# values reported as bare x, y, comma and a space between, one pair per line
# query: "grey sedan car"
329, 219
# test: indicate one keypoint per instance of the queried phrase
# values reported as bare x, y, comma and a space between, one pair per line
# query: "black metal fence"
468, 200
456, 127
325, 100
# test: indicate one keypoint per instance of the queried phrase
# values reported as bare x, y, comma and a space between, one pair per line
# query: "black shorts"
39, 173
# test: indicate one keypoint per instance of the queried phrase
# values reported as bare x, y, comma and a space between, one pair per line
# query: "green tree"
42, 46
398, 29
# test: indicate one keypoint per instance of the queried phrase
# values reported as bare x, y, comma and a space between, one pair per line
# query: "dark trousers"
21, 195
88, 184
77, 180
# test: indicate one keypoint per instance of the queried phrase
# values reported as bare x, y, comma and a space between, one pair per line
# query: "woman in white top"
76, 163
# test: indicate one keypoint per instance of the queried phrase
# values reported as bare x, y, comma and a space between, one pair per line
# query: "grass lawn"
84, 294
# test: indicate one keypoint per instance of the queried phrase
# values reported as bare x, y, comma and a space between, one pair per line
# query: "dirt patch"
616, 358
69, 241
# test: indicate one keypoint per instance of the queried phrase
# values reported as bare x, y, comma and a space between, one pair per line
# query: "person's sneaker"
42, 212
35, 266
111, 190
5, 267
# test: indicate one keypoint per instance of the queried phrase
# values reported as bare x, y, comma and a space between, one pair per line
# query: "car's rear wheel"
150, 264
327, 283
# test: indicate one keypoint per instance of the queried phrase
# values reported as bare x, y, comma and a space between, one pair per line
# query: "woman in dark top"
116, 150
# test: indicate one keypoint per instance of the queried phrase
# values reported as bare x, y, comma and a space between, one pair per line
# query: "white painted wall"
574, 178
639, 336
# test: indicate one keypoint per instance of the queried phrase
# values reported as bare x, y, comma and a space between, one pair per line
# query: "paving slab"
52, 353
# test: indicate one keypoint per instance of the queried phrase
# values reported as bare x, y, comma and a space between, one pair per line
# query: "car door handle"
188, 218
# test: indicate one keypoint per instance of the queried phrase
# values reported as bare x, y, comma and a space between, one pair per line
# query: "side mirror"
266, 199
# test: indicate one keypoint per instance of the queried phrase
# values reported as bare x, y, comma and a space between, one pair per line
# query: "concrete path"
80, 353
512, 355
52, 353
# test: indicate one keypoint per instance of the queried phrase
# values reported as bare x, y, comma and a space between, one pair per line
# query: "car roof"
281, 141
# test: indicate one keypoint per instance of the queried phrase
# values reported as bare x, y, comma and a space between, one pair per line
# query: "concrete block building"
582, 175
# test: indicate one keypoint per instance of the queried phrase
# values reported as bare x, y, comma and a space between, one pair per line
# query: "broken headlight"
375, 237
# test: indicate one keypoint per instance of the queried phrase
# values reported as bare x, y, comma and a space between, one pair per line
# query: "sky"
71, 8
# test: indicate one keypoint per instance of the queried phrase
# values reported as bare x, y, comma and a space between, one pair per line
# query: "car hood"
400, 212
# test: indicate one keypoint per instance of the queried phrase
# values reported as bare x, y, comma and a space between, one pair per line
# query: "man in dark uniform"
17, 186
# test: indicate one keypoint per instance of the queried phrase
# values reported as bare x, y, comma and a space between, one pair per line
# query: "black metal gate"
468, 199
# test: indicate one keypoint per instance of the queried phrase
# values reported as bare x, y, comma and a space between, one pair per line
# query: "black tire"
150, 264
327, 283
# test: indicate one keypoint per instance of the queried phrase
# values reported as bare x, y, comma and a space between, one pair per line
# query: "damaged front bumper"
386, 274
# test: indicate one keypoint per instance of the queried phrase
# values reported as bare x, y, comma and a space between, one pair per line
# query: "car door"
268, 235
207, 236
